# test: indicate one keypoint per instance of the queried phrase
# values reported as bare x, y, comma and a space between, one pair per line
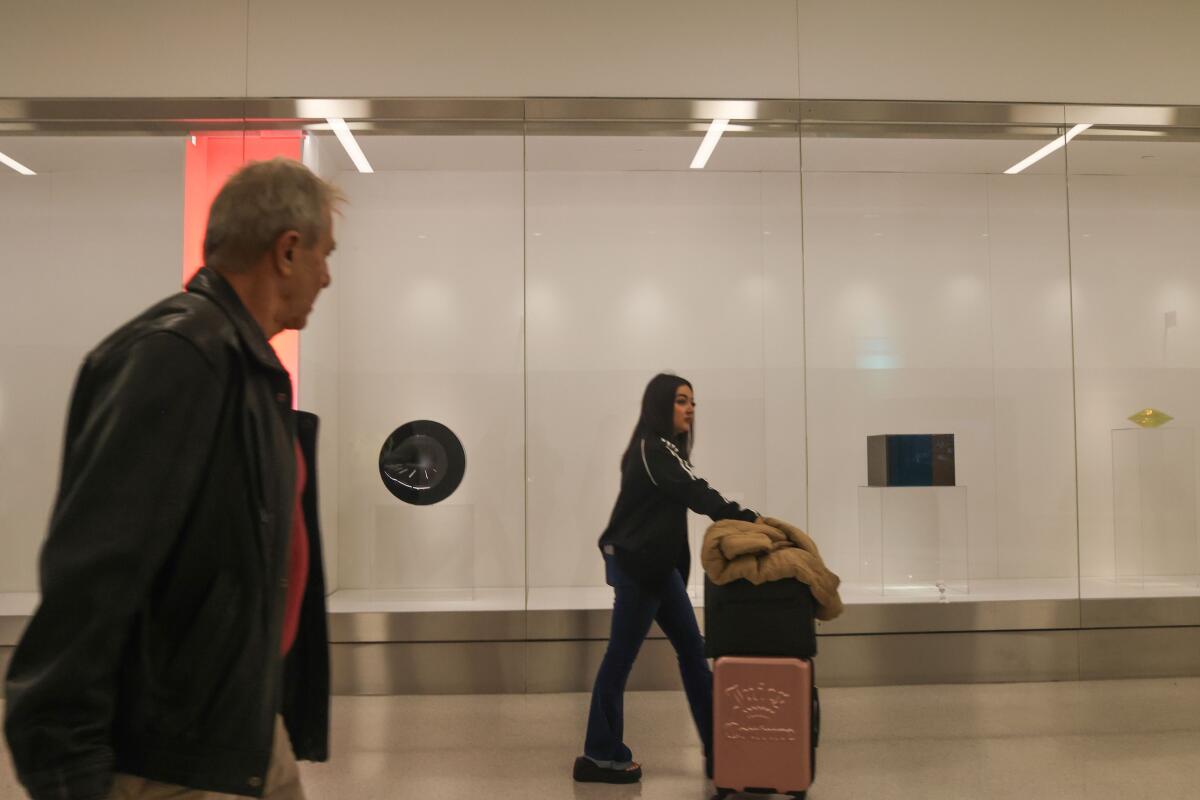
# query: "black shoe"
588, 771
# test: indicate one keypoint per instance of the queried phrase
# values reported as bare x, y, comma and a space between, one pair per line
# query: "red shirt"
298, 563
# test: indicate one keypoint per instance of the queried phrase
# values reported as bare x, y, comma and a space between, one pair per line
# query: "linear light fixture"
348, 142
1048, 149
17, 165
709, 144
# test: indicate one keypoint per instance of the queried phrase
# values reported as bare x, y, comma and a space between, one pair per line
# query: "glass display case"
88, 241
937, 298
424, 321
638, 264
1135, 193
517, 270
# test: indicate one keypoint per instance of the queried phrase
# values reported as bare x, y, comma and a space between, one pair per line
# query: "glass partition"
423, 323
937, 301
638, 264
1135, 203
90, 238
89, 241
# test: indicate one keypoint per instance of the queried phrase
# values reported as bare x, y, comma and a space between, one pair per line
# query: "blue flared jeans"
634, 609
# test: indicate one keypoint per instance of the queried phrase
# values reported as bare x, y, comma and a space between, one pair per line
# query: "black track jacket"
648, 529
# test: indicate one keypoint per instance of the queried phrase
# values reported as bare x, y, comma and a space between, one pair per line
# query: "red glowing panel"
212, 157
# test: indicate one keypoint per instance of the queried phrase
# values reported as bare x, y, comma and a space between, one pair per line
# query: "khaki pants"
283, 779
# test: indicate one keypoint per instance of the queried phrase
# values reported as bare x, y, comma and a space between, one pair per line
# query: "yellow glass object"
1150, 418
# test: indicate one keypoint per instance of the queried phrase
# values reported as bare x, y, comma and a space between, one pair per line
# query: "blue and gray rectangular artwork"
921, 459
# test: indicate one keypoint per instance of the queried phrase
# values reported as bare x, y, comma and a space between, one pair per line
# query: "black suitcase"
776, 618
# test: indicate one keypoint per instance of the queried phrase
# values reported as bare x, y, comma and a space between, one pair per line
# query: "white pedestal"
913, 539
1155, 536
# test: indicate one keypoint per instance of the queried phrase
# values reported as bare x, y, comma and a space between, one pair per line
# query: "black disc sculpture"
422, 462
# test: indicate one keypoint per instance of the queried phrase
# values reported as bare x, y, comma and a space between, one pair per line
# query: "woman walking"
647, 559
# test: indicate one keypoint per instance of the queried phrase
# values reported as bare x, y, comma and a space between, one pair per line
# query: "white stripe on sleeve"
691, 472
673, 450
646, 464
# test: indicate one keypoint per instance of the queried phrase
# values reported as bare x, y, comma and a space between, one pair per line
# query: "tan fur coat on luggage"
769, 550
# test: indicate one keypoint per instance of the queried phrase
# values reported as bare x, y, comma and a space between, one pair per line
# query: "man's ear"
285, 251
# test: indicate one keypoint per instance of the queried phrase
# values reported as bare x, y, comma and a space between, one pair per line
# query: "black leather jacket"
155, 650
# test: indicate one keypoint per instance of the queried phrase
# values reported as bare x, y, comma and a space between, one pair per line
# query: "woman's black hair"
658, 416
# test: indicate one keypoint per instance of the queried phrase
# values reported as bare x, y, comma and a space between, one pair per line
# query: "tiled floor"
1066, 741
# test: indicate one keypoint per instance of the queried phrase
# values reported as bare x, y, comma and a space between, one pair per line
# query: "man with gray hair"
180, 647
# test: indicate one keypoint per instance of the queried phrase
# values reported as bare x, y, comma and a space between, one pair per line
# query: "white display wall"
922, 49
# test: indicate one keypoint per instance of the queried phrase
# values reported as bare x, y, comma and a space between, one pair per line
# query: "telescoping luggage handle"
816, 729
816, 716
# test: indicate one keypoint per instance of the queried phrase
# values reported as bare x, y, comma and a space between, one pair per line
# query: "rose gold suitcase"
766, 723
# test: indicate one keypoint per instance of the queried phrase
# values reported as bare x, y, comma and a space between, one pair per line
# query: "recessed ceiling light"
1048, 149
17, 165
342, 130
707, 146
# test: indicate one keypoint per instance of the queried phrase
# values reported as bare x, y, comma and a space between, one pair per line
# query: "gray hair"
261, 201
